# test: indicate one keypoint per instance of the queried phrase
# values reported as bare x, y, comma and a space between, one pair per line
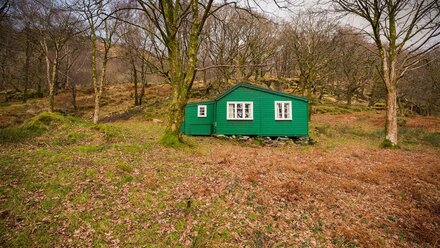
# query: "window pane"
239, 110
279, 110
247, 108
231, 110
286, 109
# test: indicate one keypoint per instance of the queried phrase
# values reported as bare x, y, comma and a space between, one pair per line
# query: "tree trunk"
51, 76
176, 112
95, 79
73, 92
391, 116
26, 66
135, 81
389, 73
69, 83
349, 96
144, 83
96, 110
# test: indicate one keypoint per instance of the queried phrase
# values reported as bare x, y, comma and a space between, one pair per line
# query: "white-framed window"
283, 110
240, 110
201, 111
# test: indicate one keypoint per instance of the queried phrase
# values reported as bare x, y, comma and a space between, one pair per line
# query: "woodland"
92, 99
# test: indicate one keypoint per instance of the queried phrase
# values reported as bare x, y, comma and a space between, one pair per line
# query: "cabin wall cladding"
248, 110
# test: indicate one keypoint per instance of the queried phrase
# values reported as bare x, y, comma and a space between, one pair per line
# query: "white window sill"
240, 119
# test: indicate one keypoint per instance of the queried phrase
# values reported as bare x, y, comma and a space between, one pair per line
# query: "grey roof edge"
251, 86
196, 103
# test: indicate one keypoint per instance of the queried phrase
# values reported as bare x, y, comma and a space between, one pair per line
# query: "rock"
284, 139
304, 141
243, 138
157, 121
220, 136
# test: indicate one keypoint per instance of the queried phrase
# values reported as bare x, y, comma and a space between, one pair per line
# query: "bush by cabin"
246, 109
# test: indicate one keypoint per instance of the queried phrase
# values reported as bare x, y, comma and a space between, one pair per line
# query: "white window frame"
282, 109
251, 111
198, 110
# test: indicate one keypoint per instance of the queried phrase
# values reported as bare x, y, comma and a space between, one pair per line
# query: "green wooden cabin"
249, 110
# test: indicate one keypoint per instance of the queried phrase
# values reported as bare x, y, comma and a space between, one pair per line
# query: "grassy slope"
67, 182
78, 184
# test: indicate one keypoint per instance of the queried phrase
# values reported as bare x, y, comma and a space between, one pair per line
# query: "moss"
125, 167
38, 125
12, 135
33, 127
45, 120
110, 133
386, 143
170, 139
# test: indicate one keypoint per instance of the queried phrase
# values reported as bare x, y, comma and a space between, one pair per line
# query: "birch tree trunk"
96, 87
390, 81
51, 71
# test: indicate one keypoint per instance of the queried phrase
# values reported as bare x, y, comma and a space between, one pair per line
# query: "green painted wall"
263, 123
194, 125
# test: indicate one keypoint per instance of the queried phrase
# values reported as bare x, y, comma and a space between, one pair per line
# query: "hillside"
67, 182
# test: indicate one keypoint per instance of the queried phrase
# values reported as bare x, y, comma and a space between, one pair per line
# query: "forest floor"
67, 182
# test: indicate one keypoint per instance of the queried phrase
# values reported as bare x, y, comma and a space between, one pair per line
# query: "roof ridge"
252, 86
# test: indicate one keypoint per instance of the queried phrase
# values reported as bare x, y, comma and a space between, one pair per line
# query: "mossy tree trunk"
134, 77
51, 72
96, 87
26, 69
182, 59
98, 84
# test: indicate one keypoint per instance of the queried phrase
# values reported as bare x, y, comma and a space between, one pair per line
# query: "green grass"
408, 137
110, 132
101, 183
40, 124
336, 109
169, 139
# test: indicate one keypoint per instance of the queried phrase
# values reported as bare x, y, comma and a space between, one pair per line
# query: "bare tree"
137, 51
178, 29
55, 27
356, 64
312, 38
101, 30
403, 32
179, 26
420, 89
